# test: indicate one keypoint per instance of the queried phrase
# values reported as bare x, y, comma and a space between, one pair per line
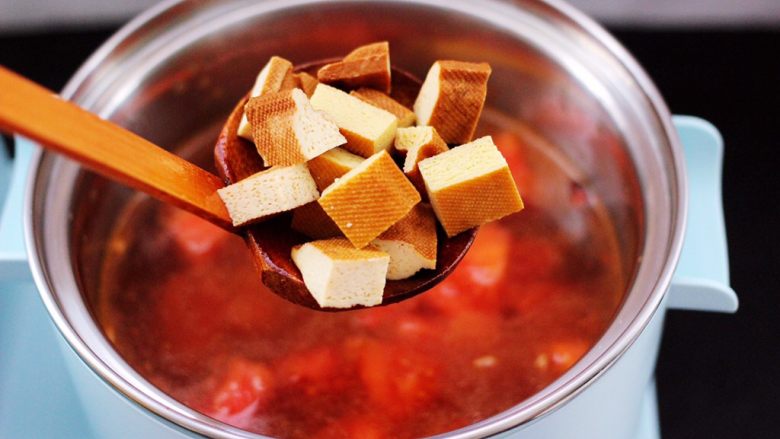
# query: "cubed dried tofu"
419, 144
272, 191
270, 80
290, 81
306, 82
451, 99
331, 165
339, 275
366, 66
369, 199
470, 185
368, 129
381, 100
287, 130
411, 243
312, 221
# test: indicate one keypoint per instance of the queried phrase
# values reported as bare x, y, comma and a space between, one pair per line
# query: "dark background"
717, 374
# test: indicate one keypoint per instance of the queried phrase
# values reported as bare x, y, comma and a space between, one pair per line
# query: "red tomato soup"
182, 302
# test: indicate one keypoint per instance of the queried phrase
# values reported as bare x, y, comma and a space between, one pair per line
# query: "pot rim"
196, 422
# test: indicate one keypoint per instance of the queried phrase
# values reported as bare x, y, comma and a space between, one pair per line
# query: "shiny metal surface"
173, 74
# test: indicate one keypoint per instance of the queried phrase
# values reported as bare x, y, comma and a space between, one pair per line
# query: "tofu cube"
451, 99
268, 192
406, 117
339, 275
368, 129
419, 143
470, 185
287, 130
366, 66
331, 165
411, 243
270, 80
369, 199
306, 82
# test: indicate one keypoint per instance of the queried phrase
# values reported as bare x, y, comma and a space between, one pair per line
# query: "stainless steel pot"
173, 73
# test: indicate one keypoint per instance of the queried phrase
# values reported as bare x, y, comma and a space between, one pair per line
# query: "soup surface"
182, 302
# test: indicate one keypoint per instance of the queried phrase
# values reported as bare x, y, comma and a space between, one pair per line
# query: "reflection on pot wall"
19, 14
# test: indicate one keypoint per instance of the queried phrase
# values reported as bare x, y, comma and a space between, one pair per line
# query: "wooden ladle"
108, 149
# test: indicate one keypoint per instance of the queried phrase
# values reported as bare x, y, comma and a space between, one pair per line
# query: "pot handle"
13, 173
701, 281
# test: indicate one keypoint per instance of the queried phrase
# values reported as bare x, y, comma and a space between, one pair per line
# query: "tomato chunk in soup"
529, 299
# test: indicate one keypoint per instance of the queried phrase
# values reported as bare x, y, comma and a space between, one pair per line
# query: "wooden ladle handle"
112, 151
